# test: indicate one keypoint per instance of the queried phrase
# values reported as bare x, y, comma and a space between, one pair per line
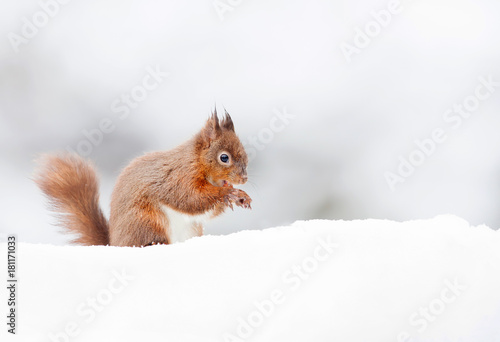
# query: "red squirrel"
159, 198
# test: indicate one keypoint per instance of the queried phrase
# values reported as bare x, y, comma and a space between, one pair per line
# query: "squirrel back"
160, 198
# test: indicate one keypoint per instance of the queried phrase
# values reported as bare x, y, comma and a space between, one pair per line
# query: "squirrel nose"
243, 174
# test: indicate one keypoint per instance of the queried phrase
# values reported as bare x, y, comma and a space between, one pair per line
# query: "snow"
320, 280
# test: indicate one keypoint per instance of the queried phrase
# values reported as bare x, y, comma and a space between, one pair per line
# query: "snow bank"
372, 280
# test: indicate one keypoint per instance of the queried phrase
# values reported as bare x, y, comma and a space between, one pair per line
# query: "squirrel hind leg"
71, 185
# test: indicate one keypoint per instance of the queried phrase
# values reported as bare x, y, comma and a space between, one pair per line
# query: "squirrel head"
222, 156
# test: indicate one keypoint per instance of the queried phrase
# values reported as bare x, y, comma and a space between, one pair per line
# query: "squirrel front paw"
238, 197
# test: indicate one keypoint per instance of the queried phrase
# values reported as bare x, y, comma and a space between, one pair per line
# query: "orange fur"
190, 179
72, 187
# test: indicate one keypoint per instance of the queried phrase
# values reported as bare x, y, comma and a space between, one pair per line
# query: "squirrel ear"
227, 122
212, 128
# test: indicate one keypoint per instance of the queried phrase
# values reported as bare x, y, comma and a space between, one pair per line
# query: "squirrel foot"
238, 197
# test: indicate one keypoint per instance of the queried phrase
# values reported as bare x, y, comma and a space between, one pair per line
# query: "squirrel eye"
224, 158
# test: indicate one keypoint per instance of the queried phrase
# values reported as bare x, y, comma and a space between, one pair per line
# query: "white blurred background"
352, 121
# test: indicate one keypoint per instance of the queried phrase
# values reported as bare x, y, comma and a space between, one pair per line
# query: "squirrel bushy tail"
72, 187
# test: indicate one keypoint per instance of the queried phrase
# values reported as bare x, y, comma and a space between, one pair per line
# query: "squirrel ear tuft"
212, 128
227, 122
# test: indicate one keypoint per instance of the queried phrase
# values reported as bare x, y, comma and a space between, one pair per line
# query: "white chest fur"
183, 226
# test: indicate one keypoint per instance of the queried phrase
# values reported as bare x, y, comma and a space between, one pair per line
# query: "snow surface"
369, 280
